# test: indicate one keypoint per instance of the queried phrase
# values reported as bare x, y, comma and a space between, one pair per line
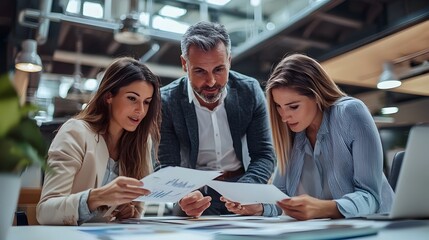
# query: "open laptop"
412, 191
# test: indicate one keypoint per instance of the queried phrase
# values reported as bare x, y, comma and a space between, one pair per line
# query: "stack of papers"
248, 193
303, 231
171, 184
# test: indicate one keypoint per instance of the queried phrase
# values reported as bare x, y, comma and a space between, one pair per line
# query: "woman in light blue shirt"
329, 152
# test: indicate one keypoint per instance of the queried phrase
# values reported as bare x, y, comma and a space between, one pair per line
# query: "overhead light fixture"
27, 59
390, 105
389, 110
402, 68
388, 78
255, 3
171, 11
128, 33
218, 2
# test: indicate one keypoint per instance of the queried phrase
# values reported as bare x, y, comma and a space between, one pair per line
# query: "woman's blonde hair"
304, 75
134, 148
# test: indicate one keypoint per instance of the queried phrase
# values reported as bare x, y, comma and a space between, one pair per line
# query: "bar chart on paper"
162, 194
170, 184
180, 184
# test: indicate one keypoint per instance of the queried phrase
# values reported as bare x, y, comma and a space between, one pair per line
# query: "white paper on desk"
313, 229
248, 193
171, 184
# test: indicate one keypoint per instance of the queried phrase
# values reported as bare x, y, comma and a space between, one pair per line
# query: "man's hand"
194, 203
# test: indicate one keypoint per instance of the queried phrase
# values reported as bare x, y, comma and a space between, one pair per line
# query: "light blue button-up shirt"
314, 177
112, 172
351, 160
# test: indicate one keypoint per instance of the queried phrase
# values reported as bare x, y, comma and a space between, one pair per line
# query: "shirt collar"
300, 137
193, 98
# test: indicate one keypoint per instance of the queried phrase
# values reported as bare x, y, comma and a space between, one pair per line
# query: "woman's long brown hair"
134, 148
304, 75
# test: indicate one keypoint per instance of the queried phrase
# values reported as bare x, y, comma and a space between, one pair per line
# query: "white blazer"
78, 157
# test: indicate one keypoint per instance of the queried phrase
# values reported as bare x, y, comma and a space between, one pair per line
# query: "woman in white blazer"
98, 157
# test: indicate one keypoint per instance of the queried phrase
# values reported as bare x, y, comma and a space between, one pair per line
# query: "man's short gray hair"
206, 36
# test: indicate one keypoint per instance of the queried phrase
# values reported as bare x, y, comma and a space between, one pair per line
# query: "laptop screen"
412, 191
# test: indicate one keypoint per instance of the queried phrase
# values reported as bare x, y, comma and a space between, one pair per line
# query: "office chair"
396, 168
26, 209
21, 218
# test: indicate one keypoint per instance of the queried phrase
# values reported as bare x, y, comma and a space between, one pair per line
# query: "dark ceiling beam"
306, 42
347, 22
7, 15
310, 28
373, 11
103, 61
63, 33
254, 45
113, 46
389, 29
93, 72
164, 48
5, 21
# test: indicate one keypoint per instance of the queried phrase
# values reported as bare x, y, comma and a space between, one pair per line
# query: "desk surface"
411, 229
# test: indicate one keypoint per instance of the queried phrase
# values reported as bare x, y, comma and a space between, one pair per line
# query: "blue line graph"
178, 184
162, 194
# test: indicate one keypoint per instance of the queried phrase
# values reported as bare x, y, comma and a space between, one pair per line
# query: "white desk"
416, 230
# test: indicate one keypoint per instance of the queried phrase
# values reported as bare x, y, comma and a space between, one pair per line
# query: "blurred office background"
359, 42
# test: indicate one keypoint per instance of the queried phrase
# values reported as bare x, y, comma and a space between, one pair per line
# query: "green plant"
21, 142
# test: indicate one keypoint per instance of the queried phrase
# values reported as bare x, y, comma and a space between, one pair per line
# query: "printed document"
248, 193
171, 184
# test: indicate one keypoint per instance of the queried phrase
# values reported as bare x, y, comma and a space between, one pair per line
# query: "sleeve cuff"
346, 208
84, 213
270, 210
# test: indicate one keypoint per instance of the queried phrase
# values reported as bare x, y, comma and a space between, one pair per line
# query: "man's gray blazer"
247, 117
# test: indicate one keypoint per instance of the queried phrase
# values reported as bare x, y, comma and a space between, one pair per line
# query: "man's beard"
209, 98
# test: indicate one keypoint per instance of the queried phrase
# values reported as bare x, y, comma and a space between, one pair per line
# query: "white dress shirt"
216, 151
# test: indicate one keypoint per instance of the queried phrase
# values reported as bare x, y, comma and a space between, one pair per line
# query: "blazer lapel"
191, 125
103, 158
232, 111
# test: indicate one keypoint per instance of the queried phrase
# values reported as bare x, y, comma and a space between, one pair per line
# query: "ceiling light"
129, 33
218, 2
28, 60
389, 110
171, 11
91, 9
388, 78
169, 25
90, 84
255, 3
270, 26
73, 6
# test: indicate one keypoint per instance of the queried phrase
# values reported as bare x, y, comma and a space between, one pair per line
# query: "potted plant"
21, 145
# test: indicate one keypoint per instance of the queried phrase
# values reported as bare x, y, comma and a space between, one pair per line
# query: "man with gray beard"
214, 119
